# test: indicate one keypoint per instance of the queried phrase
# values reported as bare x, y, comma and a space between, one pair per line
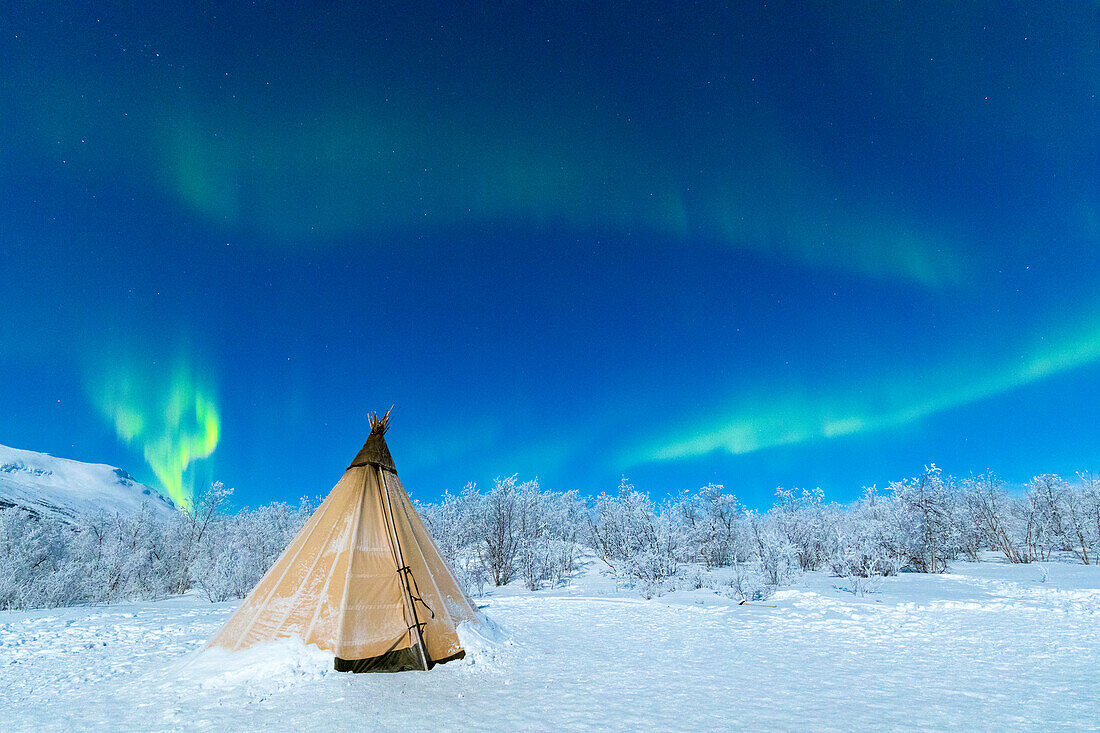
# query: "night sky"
767, 244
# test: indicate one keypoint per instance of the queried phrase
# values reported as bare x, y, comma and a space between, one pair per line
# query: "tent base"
397, 660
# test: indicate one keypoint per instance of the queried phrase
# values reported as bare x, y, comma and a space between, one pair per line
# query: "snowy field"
987, 646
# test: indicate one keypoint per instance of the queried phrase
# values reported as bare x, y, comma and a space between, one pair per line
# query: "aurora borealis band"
798, 244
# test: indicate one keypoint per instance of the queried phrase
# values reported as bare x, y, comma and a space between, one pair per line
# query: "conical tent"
362, 579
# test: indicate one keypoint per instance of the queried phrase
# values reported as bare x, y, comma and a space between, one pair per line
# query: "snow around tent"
362, 580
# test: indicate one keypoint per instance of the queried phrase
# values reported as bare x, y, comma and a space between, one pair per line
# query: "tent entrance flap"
409, 659
398, 660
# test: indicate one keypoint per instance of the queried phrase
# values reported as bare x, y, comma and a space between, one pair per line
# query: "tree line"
515, 531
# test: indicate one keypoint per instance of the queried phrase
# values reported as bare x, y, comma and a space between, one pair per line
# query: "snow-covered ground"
987, 646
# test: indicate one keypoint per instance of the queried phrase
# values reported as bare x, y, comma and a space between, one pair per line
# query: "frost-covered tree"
865, 540
776, 557
45, 561
639, 541
805, 521
1048, 493
108, 558
716, 532
548, 524
500, 529
126, 556
36, 566
515, 530
973, 534
237, 549
1002, 520
1082, 517
189, 530
455, 523
927, 530
1080, 535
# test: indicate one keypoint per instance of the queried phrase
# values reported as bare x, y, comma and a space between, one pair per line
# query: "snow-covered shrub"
860, 584
695, 578
748, 583
217, 576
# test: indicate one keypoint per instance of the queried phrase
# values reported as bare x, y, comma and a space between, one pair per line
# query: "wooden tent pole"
401, 568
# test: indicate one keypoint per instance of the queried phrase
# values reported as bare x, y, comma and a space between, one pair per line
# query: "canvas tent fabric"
362, 579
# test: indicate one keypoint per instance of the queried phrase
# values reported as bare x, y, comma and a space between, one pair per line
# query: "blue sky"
772, 244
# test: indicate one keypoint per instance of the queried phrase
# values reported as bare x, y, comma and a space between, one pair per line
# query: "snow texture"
986, 646
63, 488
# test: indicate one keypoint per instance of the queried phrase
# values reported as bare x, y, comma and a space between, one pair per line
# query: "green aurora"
173, 421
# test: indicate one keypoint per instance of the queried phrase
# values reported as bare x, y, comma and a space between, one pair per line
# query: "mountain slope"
43, 484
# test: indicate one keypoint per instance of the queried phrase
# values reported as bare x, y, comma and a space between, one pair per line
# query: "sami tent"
362, 579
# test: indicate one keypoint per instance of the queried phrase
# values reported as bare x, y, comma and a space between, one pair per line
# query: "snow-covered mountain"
43, 484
